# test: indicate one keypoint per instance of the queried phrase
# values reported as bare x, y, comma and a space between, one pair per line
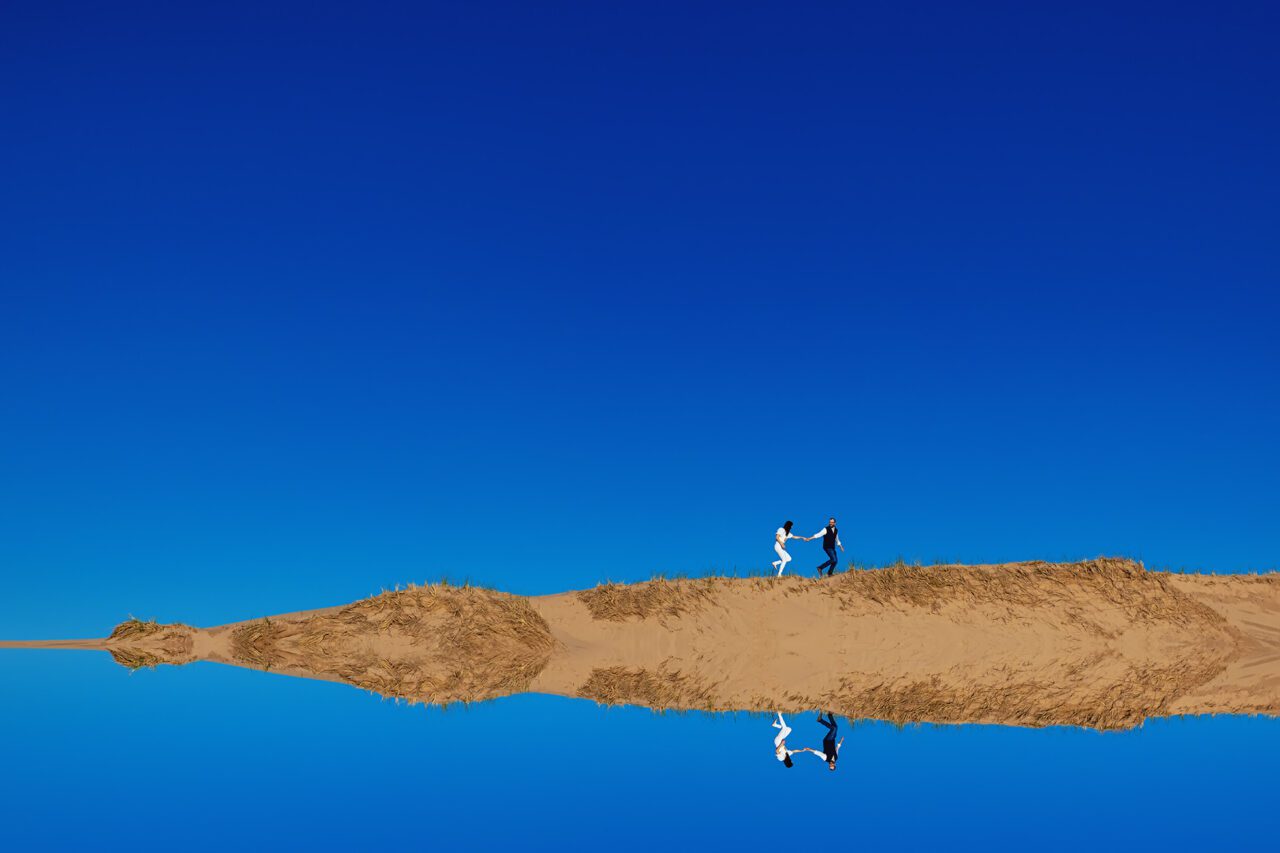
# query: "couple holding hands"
830, 541
830, 746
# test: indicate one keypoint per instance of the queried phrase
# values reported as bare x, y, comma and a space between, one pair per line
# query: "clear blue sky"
303, 301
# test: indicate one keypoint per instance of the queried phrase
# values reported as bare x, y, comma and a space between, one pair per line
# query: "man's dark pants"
829, 742
830, 564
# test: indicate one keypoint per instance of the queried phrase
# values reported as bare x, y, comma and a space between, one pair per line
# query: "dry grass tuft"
455, 644
136, 644
663, 689
615, 602
1116, 584
475, 615
134, 628
1112, 705
258, 643
135, 659
485, 643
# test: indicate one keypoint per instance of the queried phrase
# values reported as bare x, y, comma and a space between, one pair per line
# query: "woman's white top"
782, 536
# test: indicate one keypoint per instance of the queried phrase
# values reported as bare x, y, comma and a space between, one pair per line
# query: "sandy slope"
1102, 643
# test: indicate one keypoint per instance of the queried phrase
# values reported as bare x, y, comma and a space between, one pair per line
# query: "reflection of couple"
830, 541
830, 746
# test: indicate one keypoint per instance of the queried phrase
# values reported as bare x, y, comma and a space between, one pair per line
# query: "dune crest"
1103, 644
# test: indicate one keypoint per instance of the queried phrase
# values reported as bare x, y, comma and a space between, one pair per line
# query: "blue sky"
303, 301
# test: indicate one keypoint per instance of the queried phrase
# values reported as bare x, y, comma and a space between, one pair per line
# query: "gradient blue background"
303, 301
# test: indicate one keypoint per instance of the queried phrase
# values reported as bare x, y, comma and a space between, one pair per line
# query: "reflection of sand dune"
436, 644
1103, 644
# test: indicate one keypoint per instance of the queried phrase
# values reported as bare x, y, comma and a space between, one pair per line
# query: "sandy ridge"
1100, 643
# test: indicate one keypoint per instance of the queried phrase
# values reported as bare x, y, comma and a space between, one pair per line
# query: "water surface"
205, 756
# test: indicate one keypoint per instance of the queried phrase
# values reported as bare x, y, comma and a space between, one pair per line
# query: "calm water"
207, 756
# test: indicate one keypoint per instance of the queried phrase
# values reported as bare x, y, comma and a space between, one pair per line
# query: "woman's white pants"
782, 735
783, 556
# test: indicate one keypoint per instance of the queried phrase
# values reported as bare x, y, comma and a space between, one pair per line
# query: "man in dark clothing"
830, 748
830, 541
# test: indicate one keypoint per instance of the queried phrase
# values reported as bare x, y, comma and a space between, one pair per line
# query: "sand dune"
1103, 644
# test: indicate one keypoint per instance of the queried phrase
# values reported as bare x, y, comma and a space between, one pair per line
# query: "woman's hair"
786, 761
787, 527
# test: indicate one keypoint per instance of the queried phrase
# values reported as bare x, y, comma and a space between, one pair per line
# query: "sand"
1103, 644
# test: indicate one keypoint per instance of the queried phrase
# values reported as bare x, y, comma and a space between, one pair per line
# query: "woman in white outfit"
780, 546
780, 750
